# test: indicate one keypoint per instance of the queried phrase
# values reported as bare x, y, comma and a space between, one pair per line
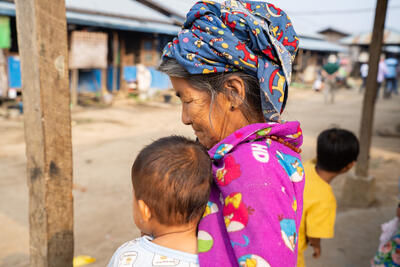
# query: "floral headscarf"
255, 37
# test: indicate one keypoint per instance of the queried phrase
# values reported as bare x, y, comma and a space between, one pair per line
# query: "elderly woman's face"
209, 122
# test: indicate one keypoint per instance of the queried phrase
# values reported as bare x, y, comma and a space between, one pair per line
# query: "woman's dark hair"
173, 177
213, 84
336, 148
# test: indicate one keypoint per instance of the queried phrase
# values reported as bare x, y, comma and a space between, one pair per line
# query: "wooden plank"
42, 38
367, 120
123, 86
115, 61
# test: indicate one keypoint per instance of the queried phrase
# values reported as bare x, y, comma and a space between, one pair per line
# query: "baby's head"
171, 181
337, 150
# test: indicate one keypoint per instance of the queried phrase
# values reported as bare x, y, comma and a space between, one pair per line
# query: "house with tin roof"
107, 39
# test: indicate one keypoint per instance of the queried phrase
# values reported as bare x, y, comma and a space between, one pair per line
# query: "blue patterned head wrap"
255, 37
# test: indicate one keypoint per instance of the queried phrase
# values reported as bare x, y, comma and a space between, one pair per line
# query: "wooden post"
115, 61
359, 187
42, 38
3, 73
368, 110
74, 87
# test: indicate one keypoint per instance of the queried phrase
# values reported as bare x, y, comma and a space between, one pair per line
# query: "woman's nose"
185, 116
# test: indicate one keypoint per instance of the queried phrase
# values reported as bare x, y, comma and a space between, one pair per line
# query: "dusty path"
106, 142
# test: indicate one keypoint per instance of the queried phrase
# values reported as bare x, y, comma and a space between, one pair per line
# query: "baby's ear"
144, 211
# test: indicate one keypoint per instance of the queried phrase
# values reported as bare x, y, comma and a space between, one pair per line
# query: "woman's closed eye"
186, 101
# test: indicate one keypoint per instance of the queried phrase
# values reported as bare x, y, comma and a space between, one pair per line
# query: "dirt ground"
105, 142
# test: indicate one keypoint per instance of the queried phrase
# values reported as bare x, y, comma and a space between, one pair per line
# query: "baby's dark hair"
336, 148
173, 177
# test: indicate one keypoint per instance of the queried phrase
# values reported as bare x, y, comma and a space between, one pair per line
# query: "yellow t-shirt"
319, 210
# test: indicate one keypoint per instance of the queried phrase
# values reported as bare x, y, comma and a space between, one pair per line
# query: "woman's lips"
195, 131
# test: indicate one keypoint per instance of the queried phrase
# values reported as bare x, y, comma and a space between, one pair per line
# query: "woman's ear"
235, 90
144, 210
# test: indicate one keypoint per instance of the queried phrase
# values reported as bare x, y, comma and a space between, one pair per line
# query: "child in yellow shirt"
337, 152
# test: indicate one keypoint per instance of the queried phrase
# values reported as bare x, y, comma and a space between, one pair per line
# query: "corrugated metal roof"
320, 45
127, 8
332, 29
7, 9
390, 37
121, 24
106, 14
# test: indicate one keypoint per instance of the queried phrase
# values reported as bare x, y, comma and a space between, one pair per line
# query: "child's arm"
316, 244
320, 222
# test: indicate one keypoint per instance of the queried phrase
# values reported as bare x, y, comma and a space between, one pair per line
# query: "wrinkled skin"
211, 122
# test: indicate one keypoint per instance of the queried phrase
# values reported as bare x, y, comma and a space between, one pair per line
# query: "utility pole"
359, 190
43, 47
367, 119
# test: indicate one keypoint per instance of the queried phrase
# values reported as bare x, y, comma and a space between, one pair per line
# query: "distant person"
343, 73
318, 84
382, 70
171, 185
337, 152
391, 76
388, 253
329, 72
364, 73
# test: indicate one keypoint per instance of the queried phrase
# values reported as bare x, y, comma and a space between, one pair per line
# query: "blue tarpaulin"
130, 73
14, 72
159, 80
89, 80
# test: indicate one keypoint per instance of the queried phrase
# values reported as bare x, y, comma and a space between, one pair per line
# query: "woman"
231, 66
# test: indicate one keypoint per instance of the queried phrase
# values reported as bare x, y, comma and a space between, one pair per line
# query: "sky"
313, 15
